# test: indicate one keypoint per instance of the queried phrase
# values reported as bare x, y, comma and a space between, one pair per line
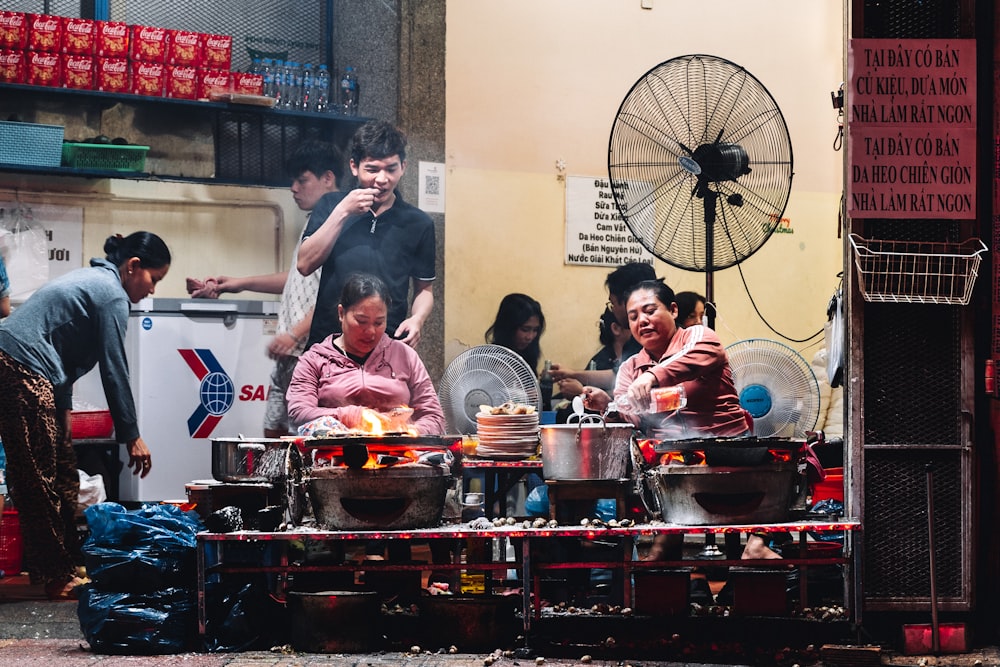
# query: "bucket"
585, 451
335, 621
471, 623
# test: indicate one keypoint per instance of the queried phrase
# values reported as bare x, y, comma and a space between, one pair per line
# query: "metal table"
214, 564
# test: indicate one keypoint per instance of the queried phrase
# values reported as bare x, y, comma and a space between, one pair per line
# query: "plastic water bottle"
267, 71
321, 91
293, 85
661, 399
279, 83
545, 384
255, 66
307, 94
349, 92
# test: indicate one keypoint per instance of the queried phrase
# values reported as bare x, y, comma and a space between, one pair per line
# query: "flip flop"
66, 591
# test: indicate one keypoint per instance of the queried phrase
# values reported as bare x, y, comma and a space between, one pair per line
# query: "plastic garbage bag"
154, 527
140, 570
91, 490
139, 623
244, 618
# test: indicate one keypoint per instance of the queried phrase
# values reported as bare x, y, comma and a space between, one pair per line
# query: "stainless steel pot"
257, 460
393, 498
585, 451
701, 495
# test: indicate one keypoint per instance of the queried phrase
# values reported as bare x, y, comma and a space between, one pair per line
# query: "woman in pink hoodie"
363, 368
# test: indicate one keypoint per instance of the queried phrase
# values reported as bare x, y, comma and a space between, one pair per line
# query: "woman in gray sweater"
62, 331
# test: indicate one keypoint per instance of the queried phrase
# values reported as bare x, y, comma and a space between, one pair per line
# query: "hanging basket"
917, 271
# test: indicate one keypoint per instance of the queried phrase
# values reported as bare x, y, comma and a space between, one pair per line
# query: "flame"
371, 422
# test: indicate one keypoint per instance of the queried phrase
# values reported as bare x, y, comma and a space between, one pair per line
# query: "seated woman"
693, 357
519, 325
363, 367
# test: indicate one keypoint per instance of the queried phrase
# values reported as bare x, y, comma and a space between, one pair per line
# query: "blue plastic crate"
31, 144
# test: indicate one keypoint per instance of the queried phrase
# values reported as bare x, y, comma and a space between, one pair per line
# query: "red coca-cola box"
112, 39
182, 82
217, 52
43, 69
148, 44
44, 33
13, 30
78, 71
112, 75
148, 78
79, 35
184, 47
246, 83
212, 81
12, 66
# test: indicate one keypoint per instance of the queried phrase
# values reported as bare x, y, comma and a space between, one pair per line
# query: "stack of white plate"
507, 436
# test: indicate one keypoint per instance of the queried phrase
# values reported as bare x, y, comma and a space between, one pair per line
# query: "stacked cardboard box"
112, 56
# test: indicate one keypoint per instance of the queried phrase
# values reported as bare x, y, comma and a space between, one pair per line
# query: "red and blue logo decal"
216, 393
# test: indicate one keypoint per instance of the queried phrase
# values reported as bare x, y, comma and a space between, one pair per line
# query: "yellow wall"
534, 82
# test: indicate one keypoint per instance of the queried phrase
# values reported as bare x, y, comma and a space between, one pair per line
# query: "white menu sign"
596, 234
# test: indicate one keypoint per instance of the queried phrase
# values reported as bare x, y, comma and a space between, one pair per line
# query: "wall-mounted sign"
596, 234
912, 128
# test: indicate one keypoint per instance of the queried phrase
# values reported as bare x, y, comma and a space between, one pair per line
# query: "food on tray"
508, 408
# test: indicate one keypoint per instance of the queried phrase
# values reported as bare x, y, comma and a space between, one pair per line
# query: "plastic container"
30, 144
91, 424
104, 157
831, 488
321, 91
11, 545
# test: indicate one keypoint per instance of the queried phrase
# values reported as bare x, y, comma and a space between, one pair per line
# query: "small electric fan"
485, 375
776, 386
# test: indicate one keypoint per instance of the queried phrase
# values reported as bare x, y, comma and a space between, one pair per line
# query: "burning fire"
692, 457
395, 421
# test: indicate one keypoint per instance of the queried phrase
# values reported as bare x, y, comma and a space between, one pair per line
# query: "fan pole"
710, 198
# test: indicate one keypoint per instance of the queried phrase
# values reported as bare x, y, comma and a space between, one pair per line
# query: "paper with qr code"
431, 187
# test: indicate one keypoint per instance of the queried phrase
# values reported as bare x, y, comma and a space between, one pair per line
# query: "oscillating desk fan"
485, 375
776, 386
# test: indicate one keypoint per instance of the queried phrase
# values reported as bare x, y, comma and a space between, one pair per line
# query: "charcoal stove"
389, 482
717, 481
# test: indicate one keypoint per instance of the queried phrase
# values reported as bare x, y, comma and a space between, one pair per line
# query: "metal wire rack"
917, 271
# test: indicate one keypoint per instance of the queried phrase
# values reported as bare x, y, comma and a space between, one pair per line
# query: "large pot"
585, 451
392, 498
257, 460
702, 495
335, 621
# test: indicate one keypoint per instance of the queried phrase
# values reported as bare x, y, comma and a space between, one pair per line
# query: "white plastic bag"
25, 249
92, 490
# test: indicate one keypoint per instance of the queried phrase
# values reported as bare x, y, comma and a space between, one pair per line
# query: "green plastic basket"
104, 157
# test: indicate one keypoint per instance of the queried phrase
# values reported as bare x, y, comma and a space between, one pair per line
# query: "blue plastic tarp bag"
140, 570
163, 528
139, 623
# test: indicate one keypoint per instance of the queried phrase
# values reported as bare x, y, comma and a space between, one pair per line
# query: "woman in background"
67, 327
691, 309
519, 325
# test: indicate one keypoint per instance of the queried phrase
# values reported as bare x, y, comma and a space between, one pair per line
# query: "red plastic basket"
91, 424
10, 542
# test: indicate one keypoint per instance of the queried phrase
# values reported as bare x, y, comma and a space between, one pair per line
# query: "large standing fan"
776, 386
700, 163
485, 375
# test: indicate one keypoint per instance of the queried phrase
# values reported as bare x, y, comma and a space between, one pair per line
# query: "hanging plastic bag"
834, 333
92, 490
25, 249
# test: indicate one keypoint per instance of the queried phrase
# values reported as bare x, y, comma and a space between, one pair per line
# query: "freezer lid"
206, 306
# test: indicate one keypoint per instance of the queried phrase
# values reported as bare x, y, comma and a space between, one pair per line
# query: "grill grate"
896, 555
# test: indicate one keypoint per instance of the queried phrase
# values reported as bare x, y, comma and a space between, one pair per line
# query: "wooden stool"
571, 491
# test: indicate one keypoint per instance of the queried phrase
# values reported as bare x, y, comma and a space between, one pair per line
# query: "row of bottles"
302, 87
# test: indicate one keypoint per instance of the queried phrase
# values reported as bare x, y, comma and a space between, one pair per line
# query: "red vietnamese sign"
911, 111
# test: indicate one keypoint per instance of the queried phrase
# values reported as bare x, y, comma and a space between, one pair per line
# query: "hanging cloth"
834, 335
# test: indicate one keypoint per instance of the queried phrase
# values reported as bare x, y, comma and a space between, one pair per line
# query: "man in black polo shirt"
372, 230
